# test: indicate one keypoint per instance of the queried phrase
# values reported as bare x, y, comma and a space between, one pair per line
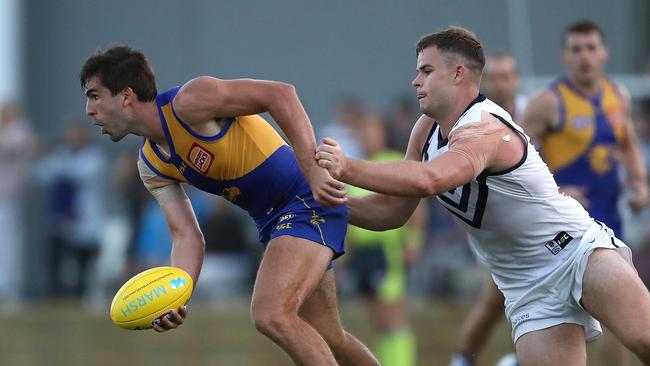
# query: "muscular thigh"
321, 309
614, 294
290, 271
563, 344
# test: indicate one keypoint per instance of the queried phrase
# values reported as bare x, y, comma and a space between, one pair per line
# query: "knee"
272, 320
336, 340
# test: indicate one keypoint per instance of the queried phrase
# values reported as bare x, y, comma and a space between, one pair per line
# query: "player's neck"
507, 103
148, 123
449, 119
588, 87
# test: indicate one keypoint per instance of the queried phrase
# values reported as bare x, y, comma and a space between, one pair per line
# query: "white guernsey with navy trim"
519, 225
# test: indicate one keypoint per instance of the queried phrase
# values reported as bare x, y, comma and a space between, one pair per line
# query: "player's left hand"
330, 156
170, 320
640, 198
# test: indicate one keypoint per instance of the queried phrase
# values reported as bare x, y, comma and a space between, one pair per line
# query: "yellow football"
149, 295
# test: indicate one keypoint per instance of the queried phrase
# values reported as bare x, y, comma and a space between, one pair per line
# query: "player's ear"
128, 94
460, 72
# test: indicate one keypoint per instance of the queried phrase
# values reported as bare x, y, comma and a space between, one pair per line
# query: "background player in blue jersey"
206, 133
582, 123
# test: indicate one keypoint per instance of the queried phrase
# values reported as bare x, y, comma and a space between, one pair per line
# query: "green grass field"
64, 334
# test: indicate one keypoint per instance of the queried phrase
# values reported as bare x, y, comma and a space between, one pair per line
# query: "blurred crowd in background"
97, 225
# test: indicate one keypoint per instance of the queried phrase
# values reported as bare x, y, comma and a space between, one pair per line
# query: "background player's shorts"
374, 276
303, 217
555, 299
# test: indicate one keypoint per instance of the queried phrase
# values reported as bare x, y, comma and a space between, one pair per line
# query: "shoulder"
623, 93
149, 178
542, 112
194, 88
419, 135
546, 99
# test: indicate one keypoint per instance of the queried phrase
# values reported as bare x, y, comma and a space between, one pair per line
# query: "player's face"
432, 82
106, 110
500, 78
584, 56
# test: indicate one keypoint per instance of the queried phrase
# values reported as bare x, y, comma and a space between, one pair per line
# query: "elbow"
286, 89
189, 237
282, 95
428, 184
394, 224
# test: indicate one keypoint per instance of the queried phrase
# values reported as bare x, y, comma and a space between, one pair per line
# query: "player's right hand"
170, 320
330, 156
640, 198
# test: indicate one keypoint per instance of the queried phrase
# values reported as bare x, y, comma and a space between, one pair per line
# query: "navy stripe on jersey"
481, 202
153, 169
561, 107
425, 153
523, 139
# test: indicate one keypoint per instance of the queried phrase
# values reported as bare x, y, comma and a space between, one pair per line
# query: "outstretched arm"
406, 178
206, 98
188, 244
381, 212
484, 145
633, 160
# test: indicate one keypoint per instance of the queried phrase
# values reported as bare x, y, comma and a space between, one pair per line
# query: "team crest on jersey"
199, 157
601, 159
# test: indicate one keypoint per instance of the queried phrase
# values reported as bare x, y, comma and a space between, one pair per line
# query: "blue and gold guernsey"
584, 149
249, 164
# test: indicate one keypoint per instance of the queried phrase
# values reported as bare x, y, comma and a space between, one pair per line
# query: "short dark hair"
118, 68
583, 26
458, 41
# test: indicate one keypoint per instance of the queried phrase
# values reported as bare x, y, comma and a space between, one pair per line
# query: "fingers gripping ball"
149, 295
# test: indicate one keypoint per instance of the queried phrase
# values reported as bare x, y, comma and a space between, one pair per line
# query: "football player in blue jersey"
207, 133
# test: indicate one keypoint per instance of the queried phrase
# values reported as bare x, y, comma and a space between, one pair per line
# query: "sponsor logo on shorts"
286, 217
200, 157
519, 318
559, 242
286, 225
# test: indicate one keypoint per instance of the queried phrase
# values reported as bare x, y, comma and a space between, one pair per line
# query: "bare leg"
612, 351
482, 318
290, 271
562, 344
395, 343
613, 293
321, 311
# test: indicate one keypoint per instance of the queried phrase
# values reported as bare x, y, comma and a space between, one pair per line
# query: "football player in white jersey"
559, 270
500, 83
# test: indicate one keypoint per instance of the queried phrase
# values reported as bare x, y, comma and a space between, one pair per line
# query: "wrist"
346, 171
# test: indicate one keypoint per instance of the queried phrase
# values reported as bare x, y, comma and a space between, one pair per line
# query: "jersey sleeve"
163, 190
